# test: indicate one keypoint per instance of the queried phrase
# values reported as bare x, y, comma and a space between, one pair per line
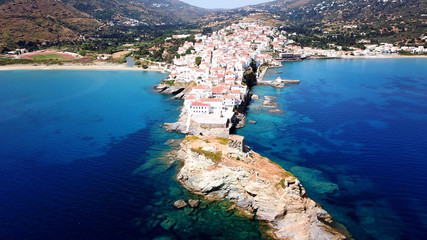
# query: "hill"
150, 12
43, 20
66, 20
396, 21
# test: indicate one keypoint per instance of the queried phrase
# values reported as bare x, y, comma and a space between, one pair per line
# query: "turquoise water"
82, 156
354, 132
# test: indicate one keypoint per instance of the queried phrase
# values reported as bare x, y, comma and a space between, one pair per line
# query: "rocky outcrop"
220, 168
269, 102
180, 204
178, 89
193, 203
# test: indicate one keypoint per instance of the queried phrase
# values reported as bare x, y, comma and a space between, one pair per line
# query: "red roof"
202, 87
210, 100
219, 89
190, 97
200, 104
229, 96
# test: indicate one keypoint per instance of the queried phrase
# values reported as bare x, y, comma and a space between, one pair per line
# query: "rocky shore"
225, 169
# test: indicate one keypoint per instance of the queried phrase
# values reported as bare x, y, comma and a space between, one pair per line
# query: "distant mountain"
66, 20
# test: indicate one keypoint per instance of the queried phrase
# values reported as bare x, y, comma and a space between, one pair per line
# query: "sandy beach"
92, 66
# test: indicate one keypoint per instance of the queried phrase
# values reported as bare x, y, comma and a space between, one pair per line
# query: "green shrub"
282, 183
214, 156
223, 141
191, 138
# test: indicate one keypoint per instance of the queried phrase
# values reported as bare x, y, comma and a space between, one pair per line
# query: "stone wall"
236, 143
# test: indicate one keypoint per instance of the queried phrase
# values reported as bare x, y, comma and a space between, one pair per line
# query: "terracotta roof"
200, 104
229, 96
190, 97
210, 100
201, 86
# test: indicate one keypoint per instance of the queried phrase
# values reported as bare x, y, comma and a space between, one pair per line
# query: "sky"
223, 3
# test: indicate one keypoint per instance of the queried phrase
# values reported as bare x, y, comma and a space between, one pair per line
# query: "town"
217, 65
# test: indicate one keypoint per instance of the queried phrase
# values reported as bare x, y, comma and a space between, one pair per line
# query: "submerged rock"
180, 204
193, 203
168, 223
269, 102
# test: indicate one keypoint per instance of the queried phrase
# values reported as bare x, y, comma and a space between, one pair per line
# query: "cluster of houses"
217, 64
383, 49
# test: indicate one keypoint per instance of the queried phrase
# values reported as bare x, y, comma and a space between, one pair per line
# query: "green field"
48, 57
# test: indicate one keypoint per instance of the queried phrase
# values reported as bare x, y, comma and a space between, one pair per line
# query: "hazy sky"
223, 3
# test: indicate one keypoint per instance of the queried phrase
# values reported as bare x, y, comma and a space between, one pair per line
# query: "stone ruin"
236, 146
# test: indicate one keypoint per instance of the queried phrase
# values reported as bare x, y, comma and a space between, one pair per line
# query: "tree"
198, 61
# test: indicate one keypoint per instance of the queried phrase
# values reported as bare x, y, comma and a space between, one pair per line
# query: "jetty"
278, 82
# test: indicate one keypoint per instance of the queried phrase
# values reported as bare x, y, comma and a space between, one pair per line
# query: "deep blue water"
82, 156
69, 143
354, 132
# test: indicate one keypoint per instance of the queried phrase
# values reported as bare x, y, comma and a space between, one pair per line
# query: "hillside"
43, 20
150, 12
397, 21
66, 20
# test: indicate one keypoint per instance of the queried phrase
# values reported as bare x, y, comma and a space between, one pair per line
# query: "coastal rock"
255, 97
180, 204
269, 102
218, 170
194, 203
275, 110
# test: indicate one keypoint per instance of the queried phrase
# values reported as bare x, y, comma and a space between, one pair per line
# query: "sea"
83, 154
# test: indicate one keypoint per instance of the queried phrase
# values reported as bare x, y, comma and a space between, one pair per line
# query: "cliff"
224, 168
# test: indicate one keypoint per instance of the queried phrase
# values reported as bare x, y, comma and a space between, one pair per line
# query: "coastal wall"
237, 120
226, 169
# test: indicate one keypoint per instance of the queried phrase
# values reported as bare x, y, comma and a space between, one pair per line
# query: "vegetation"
171, 83
223, 141
406, 53
214, 156
282, 183
198, 61
10, 61
191, 138
48, 57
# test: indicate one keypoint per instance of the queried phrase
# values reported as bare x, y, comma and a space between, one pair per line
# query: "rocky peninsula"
226, 169
215, 82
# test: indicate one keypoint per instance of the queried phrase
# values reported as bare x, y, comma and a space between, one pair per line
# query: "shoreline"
95, 66
375, 57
